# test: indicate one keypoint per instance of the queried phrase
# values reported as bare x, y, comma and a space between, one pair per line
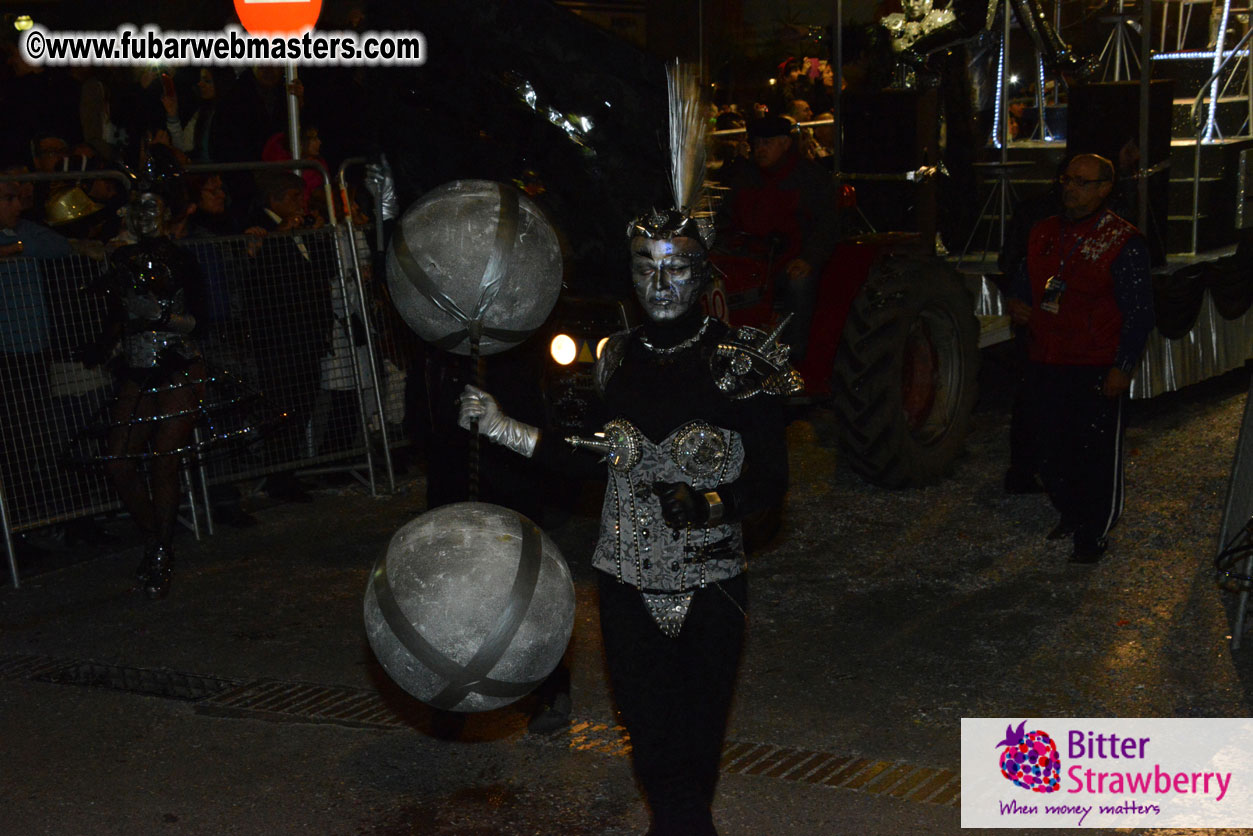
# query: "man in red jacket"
1085, 294
792, 199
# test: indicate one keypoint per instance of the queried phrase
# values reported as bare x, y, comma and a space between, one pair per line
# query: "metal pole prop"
476, 365
1146, 78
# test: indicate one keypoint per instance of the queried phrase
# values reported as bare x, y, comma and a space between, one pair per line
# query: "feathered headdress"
689, 124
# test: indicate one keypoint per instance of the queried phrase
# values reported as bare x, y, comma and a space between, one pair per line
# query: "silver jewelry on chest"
675, 349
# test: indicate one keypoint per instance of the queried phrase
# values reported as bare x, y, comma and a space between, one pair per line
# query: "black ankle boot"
159, 566
144, 570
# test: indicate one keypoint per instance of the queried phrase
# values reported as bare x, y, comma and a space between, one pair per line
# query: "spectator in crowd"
208, 218
98, 130
247, 115
25, 249
1085, 294
49, 153
277, 149
799, 111
336, 422
135, 109
787, 197
26, 194
793, 82
192, 137
288, 306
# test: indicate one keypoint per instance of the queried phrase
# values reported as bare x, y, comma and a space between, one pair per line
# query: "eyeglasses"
1079, 182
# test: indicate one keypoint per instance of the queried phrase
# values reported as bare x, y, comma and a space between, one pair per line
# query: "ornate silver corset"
636, 545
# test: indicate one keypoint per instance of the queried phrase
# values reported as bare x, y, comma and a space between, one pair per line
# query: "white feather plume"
689, 124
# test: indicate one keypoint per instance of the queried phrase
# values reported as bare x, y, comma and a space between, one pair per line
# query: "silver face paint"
147, 216
669, 275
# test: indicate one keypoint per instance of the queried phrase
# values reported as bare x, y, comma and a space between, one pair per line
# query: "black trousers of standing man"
675, 695
1079, 440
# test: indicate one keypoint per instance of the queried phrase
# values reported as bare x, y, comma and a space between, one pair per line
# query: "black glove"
681, 505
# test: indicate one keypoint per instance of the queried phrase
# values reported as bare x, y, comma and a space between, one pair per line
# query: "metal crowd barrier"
299, 378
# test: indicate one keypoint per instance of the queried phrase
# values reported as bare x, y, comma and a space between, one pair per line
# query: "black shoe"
1018, 482
551, 718
159, 568
1088, 553
1064, 528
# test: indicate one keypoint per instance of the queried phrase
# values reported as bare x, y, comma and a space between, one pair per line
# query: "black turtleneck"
659, 393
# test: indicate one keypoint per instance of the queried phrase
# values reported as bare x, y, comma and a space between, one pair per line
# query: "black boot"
158, 568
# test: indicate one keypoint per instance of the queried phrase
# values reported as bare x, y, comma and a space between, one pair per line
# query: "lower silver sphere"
471, 608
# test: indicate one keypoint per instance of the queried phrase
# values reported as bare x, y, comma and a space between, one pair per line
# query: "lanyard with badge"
1051, 299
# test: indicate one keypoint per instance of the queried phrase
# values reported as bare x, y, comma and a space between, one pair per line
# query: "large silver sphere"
474, 251
471, 608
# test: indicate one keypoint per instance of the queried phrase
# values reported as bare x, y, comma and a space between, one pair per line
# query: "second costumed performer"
694, 442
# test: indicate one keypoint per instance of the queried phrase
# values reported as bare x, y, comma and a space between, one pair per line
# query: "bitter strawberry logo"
1030, 759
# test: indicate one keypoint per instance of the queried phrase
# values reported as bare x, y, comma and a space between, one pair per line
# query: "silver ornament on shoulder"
752, 362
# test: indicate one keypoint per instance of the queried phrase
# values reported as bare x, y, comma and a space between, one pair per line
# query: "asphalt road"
248, 702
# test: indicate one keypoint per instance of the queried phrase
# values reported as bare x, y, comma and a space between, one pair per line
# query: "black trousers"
675, 695
1079, 440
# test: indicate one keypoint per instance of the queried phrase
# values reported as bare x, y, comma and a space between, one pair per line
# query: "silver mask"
669, 275
147, 216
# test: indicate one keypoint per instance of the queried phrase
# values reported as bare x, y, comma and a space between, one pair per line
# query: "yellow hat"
69, 205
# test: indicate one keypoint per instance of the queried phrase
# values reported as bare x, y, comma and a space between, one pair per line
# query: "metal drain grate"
896, 779
905, 781
305, 702
24, 666
360, 708
153, 683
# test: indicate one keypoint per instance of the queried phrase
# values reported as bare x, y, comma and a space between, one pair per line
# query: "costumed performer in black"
156, 302
694, 443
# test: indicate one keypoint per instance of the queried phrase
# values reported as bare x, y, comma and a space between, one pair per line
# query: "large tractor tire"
905, 376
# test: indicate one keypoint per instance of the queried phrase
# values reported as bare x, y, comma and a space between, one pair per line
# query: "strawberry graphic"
1030, 759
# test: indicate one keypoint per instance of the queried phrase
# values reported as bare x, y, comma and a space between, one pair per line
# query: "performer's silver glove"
380, 183
494, 423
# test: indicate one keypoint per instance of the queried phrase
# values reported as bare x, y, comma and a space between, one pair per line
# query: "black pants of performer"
674, 695
1079, 435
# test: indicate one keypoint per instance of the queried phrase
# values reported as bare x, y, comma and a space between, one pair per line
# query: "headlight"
600, 346
563, 349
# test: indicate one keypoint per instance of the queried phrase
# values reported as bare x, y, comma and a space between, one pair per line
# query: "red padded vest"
1087, 325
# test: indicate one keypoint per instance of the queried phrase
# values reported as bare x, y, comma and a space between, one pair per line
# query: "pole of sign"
293, 115
837, 73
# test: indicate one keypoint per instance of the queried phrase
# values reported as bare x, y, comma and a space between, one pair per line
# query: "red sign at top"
277, 17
